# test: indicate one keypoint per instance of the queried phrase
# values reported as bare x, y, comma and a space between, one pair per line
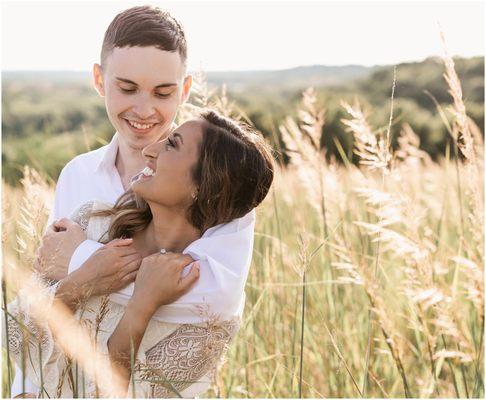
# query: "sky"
250, 35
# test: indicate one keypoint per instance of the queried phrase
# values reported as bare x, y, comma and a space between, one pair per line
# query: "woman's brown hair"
233, 175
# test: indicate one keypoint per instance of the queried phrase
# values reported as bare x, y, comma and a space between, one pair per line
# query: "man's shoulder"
236, 226
86, 162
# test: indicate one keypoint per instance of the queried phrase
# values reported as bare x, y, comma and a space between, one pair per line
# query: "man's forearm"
126, 339
70, 293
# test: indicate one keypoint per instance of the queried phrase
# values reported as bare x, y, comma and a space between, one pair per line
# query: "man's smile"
139, 127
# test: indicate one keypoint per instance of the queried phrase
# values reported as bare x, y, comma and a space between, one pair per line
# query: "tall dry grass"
367, 279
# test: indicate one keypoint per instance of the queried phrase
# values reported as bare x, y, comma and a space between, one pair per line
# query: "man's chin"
137, 142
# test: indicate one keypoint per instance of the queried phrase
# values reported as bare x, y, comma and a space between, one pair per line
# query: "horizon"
321, 33
266, 70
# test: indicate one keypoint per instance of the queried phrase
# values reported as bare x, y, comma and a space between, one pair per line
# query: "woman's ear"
186, 88
98, 79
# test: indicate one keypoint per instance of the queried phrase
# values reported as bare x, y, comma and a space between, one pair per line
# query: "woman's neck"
168, 230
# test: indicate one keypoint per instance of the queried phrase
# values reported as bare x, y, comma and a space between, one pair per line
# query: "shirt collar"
108, 159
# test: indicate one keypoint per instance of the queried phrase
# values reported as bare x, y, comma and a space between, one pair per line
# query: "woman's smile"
146, 174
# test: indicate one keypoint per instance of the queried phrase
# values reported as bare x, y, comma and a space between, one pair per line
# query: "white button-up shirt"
224, 251
89, 176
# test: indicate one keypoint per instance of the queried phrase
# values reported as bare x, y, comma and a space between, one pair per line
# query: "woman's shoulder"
83, 215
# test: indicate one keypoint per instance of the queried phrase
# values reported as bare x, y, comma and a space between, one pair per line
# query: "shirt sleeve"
84, 251
224, 253
16, 388
58, 210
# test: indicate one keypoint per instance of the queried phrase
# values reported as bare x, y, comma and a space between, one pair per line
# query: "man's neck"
129, 162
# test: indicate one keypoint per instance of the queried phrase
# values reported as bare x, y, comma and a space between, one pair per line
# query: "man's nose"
145, 109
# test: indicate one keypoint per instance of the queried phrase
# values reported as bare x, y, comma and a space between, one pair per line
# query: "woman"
208, 172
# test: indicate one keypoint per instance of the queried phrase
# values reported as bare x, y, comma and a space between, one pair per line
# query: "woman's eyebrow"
162, 85
178, 135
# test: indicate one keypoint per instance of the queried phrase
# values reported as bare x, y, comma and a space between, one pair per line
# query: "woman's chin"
139, 190
136, 186
139, 178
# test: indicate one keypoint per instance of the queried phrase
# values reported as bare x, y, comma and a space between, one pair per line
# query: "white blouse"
173, 359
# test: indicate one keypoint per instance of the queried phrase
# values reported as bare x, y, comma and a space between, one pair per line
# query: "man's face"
143, 87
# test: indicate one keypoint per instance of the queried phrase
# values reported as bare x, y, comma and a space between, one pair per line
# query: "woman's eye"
170, 142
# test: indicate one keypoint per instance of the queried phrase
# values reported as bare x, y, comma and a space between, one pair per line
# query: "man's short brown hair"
144, 26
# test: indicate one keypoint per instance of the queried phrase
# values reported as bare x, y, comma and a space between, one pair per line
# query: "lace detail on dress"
82, 214
28, 339
184, 357
23, 330
181, 362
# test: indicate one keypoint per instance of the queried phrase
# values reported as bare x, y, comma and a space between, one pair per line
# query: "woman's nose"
151, 151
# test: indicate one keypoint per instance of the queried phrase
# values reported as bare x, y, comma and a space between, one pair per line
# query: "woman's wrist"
140, 309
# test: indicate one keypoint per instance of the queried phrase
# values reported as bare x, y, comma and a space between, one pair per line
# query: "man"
142, 77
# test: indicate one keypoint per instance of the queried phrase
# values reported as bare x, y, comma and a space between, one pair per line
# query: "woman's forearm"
126, 338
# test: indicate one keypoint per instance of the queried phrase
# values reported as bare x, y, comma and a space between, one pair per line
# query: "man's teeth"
140, 126
147, 171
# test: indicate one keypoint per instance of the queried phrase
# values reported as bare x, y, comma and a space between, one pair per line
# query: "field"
367, 274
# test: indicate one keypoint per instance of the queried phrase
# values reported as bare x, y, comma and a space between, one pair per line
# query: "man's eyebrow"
179, 135
165, 85
162, 85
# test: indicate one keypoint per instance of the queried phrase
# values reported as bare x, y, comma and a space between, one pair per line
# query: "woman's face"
167, 178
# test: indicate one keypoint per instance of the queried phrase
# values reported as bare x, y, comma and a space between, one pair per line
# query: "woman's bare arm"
158, 282
126, 338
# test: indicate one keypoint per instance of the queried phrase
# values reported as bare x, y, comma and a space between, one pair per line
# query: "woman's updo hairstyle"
233, 173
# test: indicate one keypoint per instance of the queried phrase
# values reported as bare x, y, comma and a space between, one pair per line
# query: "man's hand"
159, 280
109, 269
57, 247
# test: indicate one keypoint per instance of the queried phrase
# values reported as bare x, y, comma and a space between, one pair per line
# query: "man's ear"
98, 79
186, 88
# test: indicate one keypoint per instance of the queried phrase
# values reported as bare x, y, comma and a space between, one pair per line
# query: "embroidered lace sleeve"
30, 341
82, 213
182, 358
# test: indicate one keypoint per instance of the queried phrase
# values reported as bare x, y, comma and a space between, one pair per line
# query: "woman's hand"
108, 270
159, 280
